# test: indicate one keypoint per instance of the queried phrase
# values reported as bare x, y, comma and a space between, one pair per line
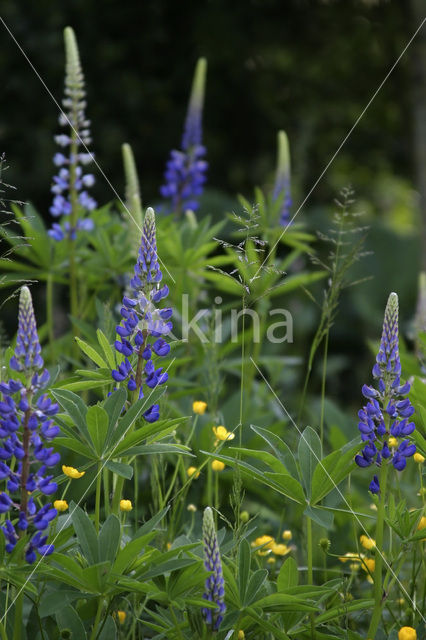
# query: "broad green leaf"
169, 565
75, 408
288, 575
113, 405
152, 523
343, 609
97, 424
157, 448
86, 534
67, 618
120, 468
54, 600
257, 580
109, 630
309, 453
244, 561
77, 446
332, 470
264, 624
323, 517
130, 552
279, 447
107, 349
91, 353
284, 602
109, 538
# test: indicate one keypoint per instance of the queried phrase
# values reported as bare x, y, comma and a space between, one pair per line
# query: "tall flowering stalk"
143, 323
282, 184
384, 426
215, 585
71, 199
186, 169
26, 431
133, 199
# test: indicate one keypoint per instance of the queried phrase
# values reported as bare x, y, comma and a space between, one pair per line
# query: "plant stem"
310, 567
17, 626
98, 496
324, 376
378, 588
97, 619
49, 315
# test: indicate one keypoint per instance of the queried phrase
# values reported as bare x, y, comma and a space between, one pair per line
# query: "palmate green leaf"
332, 470
109, 538
106, 348
257, 580
284, 602
150, 525
96, 576
86, 534
264, 456
77, 446
75, 408
168, 566
113, 405
83, 385
68, 618
343, 609
97, 424
91, 353
282, 483
323, 517
120, 468
55, 599
157, 448
264, 624
109, 630
281, 450
182, 582
288, 576
160, 428
126, 556
309, 453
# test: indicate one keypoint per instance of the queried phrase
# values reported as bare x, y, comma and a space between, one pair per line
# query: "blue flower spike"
385, 419
186, 168
71, 199
26, 431
282, 186
215, 584
144, 324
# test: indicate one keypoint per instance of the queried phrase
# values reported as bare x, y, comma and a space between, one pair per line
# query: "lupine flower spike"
71, 200
282, 179
133, 215
26, 431
143, 321
385, 419
186, 169
215, 585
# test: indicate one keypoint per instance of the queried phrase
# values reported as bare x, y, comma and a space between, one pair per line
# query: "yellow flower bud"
367, 543
126, 505
191, 507
407, 633
121, 615
217, 465
60, 505
192, 471
286, 534
72, 473
241, 635
422, 523
417, 457
199, 407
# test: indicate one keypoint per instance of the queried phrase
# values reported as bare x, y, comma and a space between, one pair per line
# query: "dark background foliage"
309, 67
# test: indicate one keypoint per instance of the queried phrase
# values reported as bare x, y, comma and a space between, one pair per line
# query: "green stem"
378, 587
2, 632
49, 316
97, 619
98, 497
324, 376
107, 508
310, 567
17, 627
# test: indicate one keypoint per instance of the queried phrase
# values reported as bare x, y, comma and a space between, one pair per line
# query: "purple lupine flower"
185, 173
144, 325
26, 430
282, 186
71, 199
385, 419
215, 584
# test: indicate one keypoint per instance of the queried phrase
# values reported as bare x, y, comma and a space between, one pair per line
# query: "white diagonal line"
333, 157
69, 516
338, 490
99, 168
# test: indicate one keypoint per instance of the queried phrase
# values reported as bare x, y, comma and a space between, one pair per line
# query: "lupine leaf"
97, 424
288, 575
91, 352
309, 453
86, 533
109, 538
68, 618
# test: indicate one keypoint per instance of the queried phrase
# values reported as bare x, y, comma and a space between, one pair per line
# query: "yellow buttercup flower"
222, 433
217, 465
121, 615
266, 542
241, 635
407, 633
280, 549
393, 442
126, 505
368, 564
199, 407
192, 471
417, 457
60, 505
422, 523
286, 534
367, 542
72, 473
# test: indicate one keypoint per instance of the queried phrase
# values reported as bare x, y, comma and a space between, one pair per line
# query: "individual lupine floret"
282, 184
142, 321
185, 173
215, 584
385, 419
26, 429
71, 198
